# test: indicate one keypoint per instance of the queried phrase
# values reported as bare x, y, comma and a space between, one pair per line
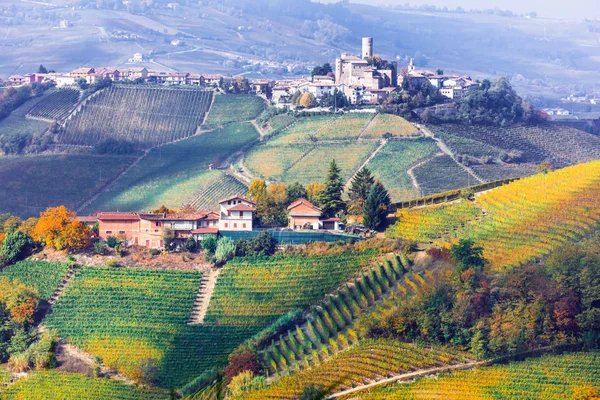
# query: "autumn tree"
544, 167
19, 299
28, 226
330, 200
257, 189
163, 210
59, 228
307, 100
313, 192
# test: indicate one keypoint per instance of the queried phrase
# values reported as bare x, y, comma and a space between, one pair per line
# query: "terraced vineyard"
222, 187
257, 291
130, 316
171, 174
16, 123
31, 184
146, 116
230, 108
281, 121
388, 123
391, 163
52, 385
369, 360
567, 376
43, 276
302, 130
55, 106
441, 174
271, 162
348, 126
525, 220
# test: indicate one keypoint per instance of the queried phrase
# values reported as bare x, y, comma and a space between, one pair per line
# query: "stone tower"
367, 48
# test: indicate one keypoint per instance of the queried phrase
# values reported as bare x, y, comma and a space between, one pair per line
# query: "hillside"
516, 223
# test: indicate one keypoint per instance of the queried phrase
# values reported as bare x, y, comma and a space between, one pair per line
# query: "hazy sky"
572, 9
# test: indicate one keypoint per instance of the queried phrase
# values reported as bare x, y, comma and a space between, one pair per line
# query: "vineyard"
359, 364
145, 116
257, 291
16, 124
171, 174
52, 385
348, 126
330, 328
567, 376
31, 184
391, 163
523, 221
441, 174
222, 187
230, 108
56, 105
130, 317
388, 123
302, 130
271, 162
280, 121
43, 276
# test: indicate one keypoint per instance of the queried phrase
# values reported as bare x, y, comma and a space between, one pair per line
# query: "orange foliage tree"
20, 300
59, 228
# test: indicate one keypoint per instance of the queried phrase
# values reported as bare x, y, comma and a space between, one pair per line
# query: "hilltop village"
356, 80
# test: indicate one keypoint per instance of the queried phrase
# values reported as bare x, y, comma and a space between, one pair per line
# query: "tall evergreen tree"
330, 199
296, 191
376, 206
361, 184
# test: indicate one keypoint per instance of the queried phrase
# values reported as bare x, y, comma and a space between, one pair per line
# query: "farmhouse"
82, 72
302, 214
236, 213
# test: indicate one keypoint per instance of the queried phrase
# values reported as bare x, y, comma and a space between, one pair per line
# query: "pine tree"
331, 199
361, 185
376, 206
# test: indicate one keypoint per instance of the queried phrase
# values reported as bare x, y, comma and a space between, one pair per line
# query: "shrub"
16, 246
113, 146
242, 361
191, 245
261, 245
154, 252
225, 250
100, 248
112, 241
209, 244
112, 264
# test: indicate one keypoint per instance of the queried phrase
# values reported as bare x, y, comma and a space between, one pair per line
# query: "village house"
63, 80
261, 87
194, 80
237, 214
135, 73
302, 214
17, 79
82, 72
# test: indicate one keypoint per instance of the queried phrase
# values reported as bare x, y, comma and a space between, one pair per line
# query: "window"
229, 203
157, 223
108, 232
244, 226
226, 224
235, 225
156, 231
122, 232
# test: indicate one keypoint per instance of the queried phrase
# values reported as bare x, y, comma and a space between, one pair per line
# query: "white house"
236, 213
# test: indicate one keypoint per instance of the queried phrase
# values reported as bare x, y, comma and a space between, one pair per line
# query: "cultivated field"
33, 183
348, 126
171, 174
388, 123
271, 162
16, 124
223, 186
56, 105
146, 116
441, 174
133, 316
524, 220
391, 163
257, 291
303, 129
558, 377
52, 385
43, 276
234, 108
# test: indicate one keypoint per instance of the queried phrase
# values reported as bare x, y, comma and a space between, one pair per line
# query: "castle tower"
411, 65
338, 70
367, 48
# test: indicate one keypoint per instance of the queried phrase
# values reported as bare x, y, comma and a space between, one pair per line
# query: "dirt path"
243, 174
368, 160
410, 376
410, 171
447, 151
258, 128
207, 286
366, 126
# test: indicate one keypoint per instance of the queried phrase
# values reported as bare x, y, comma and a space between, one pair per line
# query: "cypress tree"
331, 198
376, 206
359, 190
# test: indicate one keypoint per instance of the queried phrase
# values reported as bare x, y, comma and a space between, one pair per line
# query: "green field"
17, 124
223, 186
390, 165
391, 124
567, 376
303, 129
130, 316
43, 276
271, 162
257, 291
348, 126
52, 385
30, 184
441, 174
234, 108
173, 173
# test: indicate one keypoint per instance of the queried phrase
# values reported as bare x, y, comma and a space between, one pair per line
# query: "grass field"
30, 184
390, 165
388, 123
234, 108
43, 276
257, 291
315, 165
524, 221
17, 124
53, 385
129, 316
567, 376
171, 174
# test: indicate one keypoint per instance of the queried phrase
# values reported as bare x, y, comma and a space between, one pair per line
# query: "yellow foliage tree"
163, 210
313, 190
20, 300
12, 223
59, 228
277, 193
28, 226
257, 189
307, 100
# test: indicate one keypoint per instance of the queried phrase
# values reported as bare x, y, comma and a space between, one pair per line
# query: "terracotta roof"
118, 216
87, 219
82, 70
206, 230
241, 207
237, 196
175, 217
329, 219
305, 202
